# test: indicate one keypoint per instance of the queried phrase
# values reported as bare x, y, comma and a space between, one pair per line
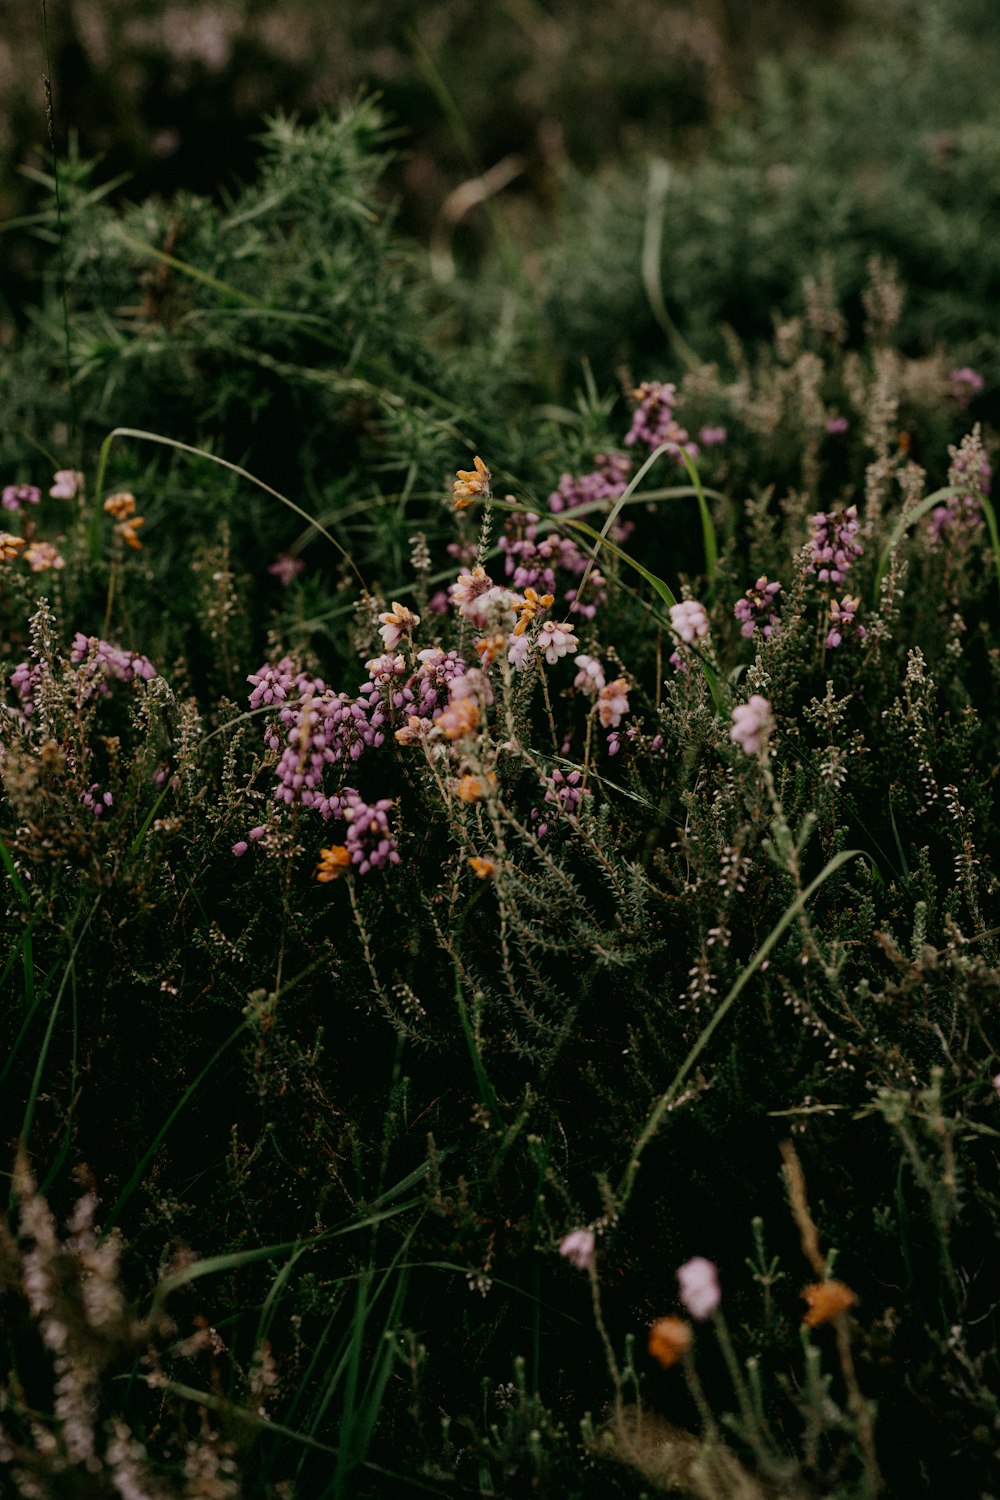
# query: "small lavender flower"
754, 610
711, 437
370, 841
566, 791
836, 426
24, 680
578, 1248
752, 724
965, 383
16, 496
834, 547
843, 622
962, 515
67, 483
240, 848
272, 684
653, 421
700, 1293
606, 482
285, 568
101, 662
97, 801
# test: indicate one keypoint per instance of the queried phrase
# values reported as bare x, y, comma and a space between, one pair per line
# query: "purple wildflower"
15, 496
965, 383
711, 437
836, 426
843, 623
754, 610
833, 544
285, 568
653, 421
97, 801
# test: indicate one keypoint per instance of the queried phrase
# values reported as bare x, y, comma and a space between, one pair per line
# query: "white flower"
699, 1287
397, 622
590, 678
752, 723
578, 1248
519, 652
556, 641
689, 621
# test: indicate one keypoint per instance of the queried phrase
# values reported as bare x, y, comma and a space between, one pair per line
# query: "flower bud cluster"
834, 547
654, 423
754, 611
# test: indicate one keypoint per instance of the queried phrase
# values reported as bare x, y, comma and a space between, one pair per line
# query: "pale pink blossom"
67, 483
699, 1287
397, 622
752, 723
612, 703
285, 568
689, 621
474, 594
590, 678
578, 1248
519, 652
555, 641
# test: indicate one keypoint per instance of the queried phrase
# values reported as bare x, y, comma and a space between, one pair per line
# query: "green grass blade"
666, 1099
224, 463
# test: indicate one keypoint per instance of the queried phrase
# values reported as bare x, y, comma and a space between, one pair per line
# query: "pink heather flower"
240, 848
41, 556
689, 621
833, 545
996, 1085
397, 622
836, 426
965, 383
754, 609
257, 833
699, 1287
555, 641
285, 568
474, 594
711, 437
842, 618
519, 652
385, 668
578, 1249
653, 421
17, 495
752, 723
438, 603
612, 703
67, 483
590, 678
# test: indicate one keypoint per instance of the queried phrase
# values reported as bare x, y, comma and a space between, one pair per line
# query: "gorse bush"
432, 935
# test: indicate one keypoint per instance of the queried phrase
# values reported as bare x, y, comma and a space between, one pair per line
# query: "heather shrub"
425, 968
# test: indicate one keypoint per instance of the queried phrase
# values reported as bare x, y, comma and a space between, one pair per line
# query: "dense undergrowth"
439, 907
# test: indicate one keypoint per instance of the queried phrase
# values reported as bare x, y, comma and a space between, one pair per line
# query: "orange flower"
10, 545
528, 608
459, 718
471, 788
669, 1340
333, 863
826, 1300
490, 647
471, 482
120, 506
127, 529
483, 868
